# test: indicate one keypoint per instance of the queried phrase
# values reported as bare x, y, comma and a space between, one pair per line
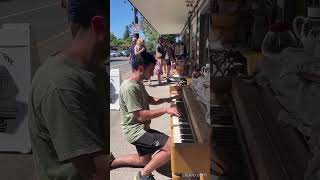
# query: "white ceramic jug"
206, 70
307, 39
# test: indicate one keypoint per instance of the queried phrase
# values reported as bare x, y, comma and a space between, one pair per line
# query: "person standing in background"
140, 47
73, 19
161, 51
132, 55
170, 57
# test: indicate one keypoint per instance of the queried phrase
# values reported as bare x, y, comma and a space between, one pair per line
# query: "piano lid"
196, 113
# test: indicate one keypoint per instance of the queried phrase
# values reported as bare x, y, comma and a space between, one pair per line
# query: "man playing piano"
136, 119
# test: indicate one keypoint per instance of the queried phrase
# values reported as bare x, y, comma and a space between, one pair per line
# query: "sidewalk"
122, 58
119, 146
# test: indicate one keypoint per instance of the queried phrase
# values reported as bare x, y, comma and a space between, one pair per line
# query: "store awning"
166, 16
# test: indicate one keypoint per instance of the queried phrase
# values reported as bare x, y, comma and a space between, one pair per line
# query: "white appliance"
18, 62
114, 89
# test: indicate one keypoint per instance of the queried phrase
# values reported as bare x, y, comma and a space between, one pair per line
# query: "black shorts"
168, 62
150, 142
72, 10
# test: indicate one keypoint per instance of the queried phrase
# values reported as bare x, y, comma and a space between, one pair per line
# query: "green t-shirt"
66, 116
133, 97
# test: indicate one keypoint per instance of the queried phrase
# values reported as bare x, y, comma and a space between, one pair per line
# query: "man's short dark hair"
82, 11
145, 59
136, 35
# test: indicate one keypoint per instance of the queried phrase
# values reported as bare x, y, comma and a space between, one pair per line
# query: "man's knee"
167, 146
145, 160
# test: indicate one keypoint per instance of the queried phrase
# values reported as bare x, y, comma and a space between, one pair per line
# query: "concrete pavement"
119, 146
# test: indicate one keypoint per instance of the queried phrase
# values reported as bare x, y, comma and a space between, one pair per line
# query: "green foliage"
169, 37
112, 37
125, 41
151, 36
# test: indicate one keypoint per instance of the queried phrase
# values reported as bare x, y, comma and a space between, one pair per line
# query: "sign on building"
136, 28
18, 61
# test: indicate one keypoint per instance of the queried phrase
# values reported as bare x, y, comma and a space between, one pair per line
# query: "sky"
121, 14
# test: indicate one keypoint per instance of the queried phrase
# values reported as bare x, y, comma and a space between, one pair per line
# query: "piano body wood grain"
275, 152
190, 157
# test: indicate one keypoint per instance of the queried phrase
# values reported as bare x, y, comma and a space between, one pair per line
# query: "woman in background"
158, 68
139, 47
132, 54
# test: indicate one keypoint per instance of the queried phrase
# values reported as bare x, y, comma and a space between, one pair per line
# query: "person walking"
139, 47
136, 119
170, 57
161, 51
158, 68
67, 115
132, 55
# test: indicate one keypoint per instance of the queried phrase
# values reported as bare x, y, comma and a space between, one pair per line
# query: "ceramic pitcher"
306, 32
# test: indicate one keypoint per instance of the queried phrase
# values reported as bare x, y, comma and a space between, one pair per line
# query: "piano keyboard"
181, 126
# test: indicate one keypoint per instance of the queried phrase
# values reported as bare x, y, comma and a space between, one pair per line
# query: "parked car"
124, 53
118, 53
113, 53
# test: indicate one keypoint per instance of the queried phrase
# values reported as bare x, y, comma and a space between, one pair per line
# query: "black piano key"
184, 136
185, 131
187, 141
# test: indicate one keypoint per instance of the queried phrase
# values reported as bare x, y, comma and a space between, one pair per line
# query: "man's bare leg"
168, 71
158, 159
132, 160
164, 66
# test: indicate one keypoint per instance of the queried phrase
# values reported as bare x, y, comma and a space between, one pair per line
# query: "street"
121, 63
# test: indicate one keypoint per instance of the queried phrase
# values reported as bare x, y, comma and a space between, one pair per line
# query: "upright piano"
190, 135
243, 141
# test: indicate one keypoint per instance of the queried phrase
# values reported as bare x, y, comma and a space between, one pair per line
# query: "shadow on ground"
165, 170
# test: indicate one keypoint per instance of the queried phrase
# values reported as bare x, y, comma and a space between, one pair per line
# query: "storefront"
189, 19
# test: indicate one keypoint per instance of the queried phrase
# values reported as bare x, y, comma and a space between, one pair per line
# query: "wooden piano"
273, 151
190, 135
244, 140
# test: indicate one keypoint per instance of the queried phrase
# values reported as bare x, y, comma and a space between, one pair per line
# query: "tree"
169, 37
127, 32
151, 36
112, 37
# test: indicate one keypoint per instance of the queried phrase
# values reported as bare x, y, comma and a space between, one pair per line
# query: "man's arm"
68, 125
138, 52
92, 166
146, 115
157, 101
